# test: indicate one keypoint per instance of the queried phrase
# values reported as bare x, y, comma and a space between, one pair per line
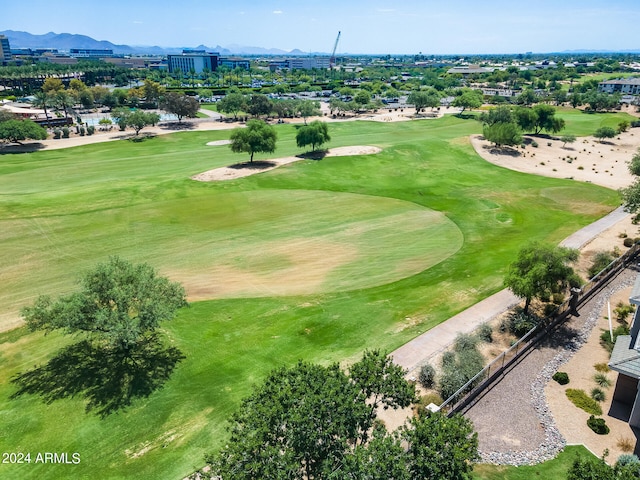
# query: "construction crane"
332, 59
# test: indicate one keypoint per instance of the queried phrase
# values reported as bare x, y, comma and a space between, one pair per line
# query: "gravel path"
512, 418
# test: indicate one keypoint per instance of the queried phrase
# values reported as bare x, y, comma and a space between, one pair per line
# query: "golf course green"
315, 260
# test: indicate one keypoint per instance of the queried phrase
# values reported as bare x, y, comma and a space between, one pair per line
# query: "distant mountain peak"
67, 41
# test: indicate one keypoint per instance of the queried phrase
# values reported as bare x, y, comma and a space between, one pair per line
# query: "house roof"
624, 358
634, 298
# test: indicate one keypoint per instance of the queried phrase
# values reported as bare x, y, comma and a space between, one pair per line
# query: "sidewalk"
412, 354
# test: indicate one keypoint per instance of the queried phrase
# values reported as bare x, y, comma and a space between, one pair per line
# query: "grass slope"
231, 343
555, 469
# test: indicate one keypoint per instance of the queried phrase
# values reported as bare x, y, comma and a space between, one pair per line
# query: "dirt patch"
304, 265
241, 170
586, 160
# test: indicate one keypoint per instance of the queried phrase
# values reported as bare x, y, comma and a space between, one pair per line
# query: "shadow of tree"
20, 147
109, 379
314, 155
177, 126
257, 165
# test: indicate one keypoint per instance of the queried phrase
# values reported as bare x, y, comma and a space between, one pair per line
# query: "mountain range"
67, 41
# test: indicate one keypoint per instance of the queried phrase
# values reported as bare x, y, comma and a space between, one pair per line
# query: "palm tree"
42, 100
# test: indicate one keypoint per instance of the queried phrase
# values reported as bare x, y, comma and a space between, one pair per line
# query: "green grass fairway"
315, 260
582, 123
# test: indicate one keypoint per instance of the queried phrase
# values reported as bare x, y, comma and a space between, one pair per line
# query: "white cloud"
277, 12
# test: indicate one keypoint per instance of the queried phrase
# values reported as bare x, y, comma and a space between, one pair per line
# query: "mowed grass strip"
231, 343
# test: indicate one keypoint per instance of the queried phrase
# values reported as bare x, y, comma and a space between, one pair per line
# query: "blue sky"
367, 26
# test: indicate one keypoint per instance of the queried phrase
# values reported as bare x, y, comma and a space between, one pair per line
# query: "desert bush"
628, 242
534, 144
607, 342
598, 394
561, 377
427, 376
601, 367
583, 401
600, 261
622, 311
485, 333
450, 382
519, 323
448, 360
465, 342
57, 133
598, 425
65, 132
557, 298
91, 130
602, 380
626, 445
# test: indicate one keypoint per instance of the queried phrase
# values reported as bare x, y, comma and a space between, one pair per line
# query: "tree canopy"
541, 270
180, 105
232, 103
256, 137
631, 194
502, 133
118, 305
15, 131
605, 132
538, 118
422, 99
314, 134
312, 422
468, 99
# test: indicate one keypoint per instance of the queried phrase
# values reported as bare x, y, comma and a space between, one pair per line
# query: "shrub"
557, 298
65, 132
607, 342
622, 311
583, 401
91, 130
427, 376
448, 360
601, 367
598, 425
628, 242
450, 382
485, 333
534, 144
561, 377
600, 261
626, 445
602, 380
465, 342
57, 133
520, 323
81, 131
635, 123
598, 394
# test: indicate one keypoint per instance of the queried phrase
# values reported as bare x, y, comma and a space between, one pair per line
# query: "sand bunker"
245, 169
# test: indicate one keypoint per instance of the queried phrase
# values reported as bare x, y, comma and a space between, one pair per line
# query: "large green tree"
503, 133
256, 137
180, 105
232, 103
314, 422
468, 99
538, 118
118, 305
15, 131
422, 99
314, 134
604, 132
631, 194
540, 270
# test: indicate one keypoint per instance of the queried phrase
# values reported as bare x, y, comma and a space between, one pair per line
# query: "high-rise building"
196, 60
5, 50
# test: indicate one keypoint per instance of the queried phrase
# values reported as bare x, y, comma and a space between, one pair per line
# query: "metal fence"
509, 358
